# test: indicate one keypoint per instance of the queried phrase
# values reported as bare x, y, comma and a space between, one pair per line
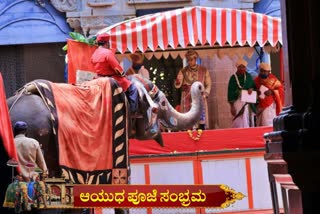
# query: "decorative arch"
28, 22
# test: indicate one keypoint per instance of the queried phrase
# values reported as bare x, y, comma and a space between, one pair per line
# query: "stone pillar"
299, 123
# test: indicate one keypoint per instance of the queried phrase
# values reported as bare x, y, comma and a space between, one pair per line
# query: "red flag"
79, 55
5, 124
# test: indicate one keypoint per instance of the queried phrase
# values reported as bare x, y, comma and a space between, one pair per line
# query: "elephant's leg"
38, 201
24, 197
139, 127
41, 199
44, 200
132, 128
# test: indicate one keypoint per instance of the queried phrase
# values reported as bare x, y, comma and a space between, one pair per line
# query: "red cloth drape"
5, 124
79, 55
86, 110
210, 140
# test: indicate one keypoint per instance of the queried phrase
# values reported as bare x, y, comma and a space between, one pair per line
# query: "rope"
24, 90
16, 100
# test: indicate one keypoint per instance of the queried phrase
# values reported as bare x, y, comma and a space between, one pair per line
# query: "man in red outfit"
271, 95
106, 65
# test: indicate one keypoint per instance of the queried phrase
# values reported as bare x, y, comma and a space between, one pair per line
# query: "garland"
197, 137
194, 69
238, 83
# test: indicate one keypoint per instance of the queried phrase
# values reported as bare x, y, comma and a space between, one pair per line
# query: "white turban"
265, 66
241, 62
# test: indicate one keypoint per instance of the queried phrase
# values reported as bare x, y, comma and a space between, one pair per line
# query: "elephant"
167, 115
28, 105
24, 196
16, 195
40, 192
13, 197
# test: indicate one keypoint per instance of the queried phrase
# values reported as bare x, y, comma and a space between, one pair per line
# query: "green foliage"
80, 38
65, 48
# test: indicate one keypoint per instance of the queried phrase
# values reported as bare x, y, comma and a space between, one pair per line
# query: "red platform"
210, 140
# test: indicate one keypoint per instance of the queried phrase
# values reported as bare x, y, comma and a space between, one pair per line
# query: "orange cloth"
92, 118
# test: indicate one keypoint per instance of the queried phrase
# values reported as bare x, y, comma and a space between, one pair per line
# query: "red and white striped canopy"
204, 26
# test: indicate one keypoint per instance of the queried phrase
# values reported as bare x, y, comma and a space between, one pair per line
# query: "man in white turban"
241, 111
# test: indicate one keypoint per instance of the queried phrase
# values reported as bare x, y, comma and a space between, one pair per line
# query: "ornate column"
299, 124
66, 6
89, 16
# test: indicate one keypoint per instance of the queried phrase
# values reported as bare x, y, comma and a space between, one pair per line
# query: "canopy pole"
281, 66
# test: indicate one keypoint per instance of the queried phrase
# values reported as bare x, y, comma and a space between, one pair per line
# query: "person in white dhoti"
242, 111
271, 95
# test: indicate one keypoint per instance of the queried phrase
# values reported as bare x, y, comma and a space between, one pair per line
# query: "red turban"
103, 37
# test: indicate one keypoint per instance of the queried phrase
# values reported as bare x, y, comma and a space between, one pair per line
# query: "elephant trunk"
172, 119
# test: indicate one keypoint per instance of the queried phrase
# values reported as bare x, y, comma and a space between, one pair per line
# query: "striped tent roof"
194, 26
